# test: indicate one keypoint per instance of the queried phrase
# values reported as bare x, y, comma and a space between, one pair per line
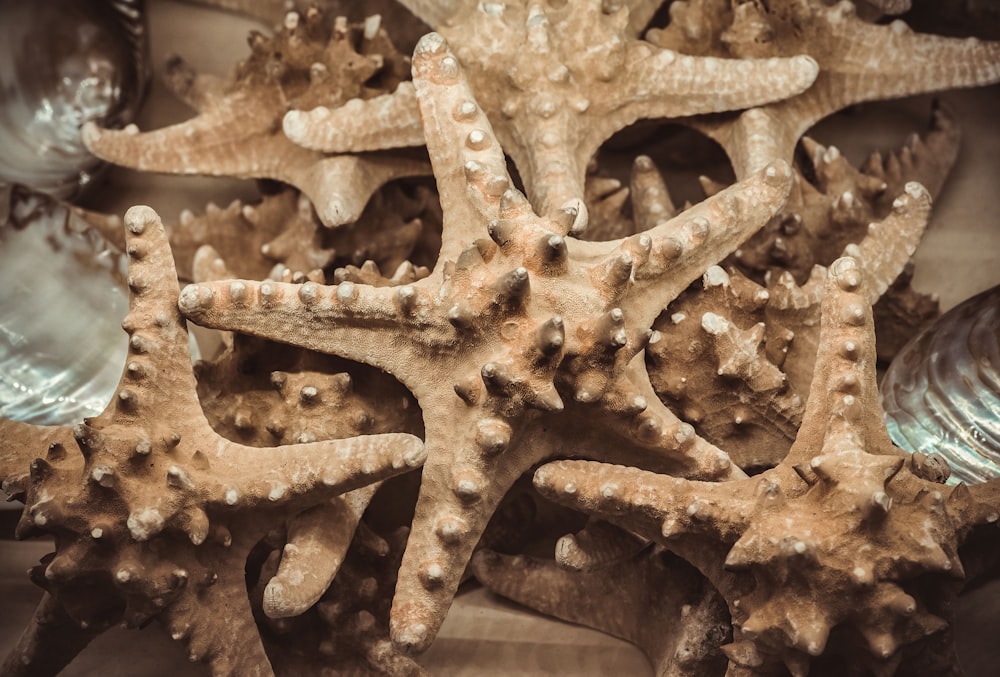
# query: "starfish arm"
51, 640
468, 163
197, 90
756, 137
327, 319
682, 248
382, 122
651, 201
656, 601
890, 243
661, 83
843, 409
597, 545
640, 13
216, 625
318, 539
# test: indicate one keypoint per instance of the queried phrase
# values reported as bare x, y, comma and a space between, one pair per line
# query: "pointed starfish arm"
302, 474
597, 545
318, 539
682, 248
655, 506
468, 163
328, 319
382, 122
51, 640
667, 84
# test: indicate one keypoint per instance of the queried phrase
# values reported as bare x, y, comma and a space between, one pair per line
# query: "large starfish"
556, 81
157, 514
843, 536
518, 340
858, 61
238, 129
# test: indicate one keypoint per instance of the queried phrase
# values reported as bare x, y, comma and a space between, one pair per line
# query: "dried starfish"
736, 359
156, 516
653, 599
238, 130
842, 534
513, 340
858, 61
572, 76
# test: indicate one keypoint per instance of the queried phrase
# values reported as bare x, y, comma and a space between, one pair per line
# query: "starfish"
238, 129
736, 359
517, 341
652, 598
858, 61
156, 516
843, 535
556, 81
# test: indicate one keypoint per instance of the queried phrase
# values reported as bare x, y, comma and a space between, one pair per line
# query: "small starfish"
156, 517
841, 533
858, 61
653, 599
238, 130
511, 343
572, 76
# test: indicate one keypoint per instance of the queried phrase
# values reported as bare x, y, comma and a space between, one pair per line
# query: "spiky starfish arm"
156, 479
858, 61
238, 132
652, 598
513, 324
49, 643
578, 77
825, 539
19, 445
598, 545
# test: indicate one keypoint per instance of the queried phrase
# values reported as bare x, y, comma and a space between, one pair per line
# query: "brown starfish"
858, 61
238, 130
556, 80
842, 536
513, 341
156, 516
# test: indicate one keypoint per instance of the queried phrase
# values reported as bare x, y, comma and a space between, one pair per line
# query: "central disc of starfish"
521, 345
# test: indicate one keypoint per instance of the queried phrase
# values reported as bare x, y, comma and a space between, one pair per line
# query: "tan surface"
483, 636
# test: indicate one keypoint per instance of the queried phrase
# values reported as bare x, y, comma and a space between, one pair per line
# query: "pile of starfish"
443, 291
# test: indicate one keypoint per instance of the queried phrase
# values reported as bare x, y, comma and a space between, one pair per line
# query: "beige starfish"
516, 338
836, 543
237, 132
556, 80
157, 515
858, 61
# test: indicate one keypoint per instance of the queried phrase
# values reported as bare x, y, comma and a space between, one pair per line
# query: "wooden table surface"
484, 635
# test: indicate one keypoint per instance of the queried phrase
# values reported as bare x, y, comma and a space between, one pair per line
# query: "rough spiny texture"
155, 517
858, 61
309, 62
556, 82
841, 542
518, 335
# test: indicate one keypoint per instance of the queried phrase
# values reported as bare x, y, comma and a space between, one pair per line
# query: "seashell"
942, 392
61, 343
63, 63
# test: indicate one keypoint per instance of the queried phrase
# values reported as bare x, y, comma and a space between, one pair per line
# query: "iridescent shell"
61, 343
62, 63
942, 392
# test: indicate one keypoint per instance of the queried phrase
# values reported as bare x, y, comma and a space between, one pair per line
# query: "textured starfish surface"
736, 359
842, 536
518, 336
308, 62
556, 80
156, 516
858, 61
349, 627
652, 598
